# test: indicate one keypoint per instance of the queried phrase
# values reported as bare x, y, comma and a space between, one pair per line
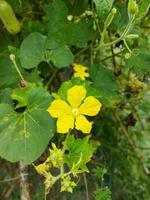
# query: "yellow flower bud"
67, 184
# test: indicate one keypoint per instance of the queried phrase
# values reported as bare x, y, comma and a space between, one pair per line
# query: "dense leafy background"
54, 35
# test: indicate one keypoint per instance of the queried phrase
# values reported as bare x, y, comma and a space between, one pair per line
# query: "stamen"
75, 111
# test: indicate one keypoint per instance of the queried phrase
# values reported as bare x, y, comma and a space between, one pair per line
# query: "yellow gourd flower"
71, 114
80, 71
67, 184
56, 156
42, 168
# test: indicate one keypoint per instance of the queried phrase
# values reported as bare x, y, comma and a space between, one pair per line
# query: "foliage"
70, 68
102, 194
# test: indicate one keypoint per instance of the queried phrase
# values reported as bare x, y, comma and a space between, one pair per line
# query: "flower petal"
91, 106
81, 75
65, 123
58, 108
75, 95
79, 67
83, 124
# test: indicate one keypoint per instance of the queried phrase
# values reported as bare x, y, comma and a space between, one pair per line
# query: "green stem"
86, 186
51, 78
125, 32
128, 48
13, 59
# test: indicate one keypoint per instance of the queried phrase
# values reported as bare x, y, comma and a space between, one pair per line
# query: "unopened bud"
127, 55
114, 10
132, 7
110, 17
70, 17
132, 36
12, 57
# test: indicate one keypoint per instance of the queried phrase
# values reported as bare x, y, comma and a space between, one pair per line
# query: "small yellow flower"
67, 184
56, 156
49, 181
42, 168
80, 71
71, 114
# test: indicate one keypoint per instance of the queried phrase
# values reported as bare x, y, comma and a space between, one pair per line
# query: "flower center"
75, 111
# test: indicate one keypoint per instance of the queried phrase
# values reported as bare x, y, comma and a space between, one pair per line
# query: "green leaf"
140, 62
61, 31
102, 194
61, 57
103, 7
80, 33
143, 7
5, 96
21, 96
145, 104
9, 76
17, 5
35, 49
104, 81
78, 149
7, 68
32, 50
25, 134
77, 7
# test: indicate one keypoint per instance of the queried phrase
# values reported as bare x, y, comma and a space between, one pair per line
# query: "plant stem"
24, 186
86, 186
12, 58
126, 45
125, 32
132, 144
51, 78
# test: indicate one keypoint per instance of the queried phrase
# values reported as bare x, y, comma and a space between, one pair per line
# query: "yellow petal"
83, 124
78, 67
42, 168
75, 95
65, 123
81, 75
91, 106
58, 108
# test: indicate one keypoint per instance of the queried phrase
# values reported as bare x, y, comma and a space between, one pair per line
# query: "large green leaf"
143, 7
25, 134
103, 7
140, 62
35, 49
61, 57
5, 96
104, 81
78, 149
32, 50
61, 31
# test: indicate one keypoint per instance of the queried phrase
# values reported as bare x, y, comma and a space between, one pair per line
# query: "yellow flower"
56, 156
67, 184
42, 168
71, 114
80, 71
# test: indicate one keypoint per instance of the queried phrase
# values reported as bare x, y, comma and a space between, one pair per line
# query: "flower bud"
132, 36
132, 7
56, 156
110, 17
12, 57
67, 184
127, 55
